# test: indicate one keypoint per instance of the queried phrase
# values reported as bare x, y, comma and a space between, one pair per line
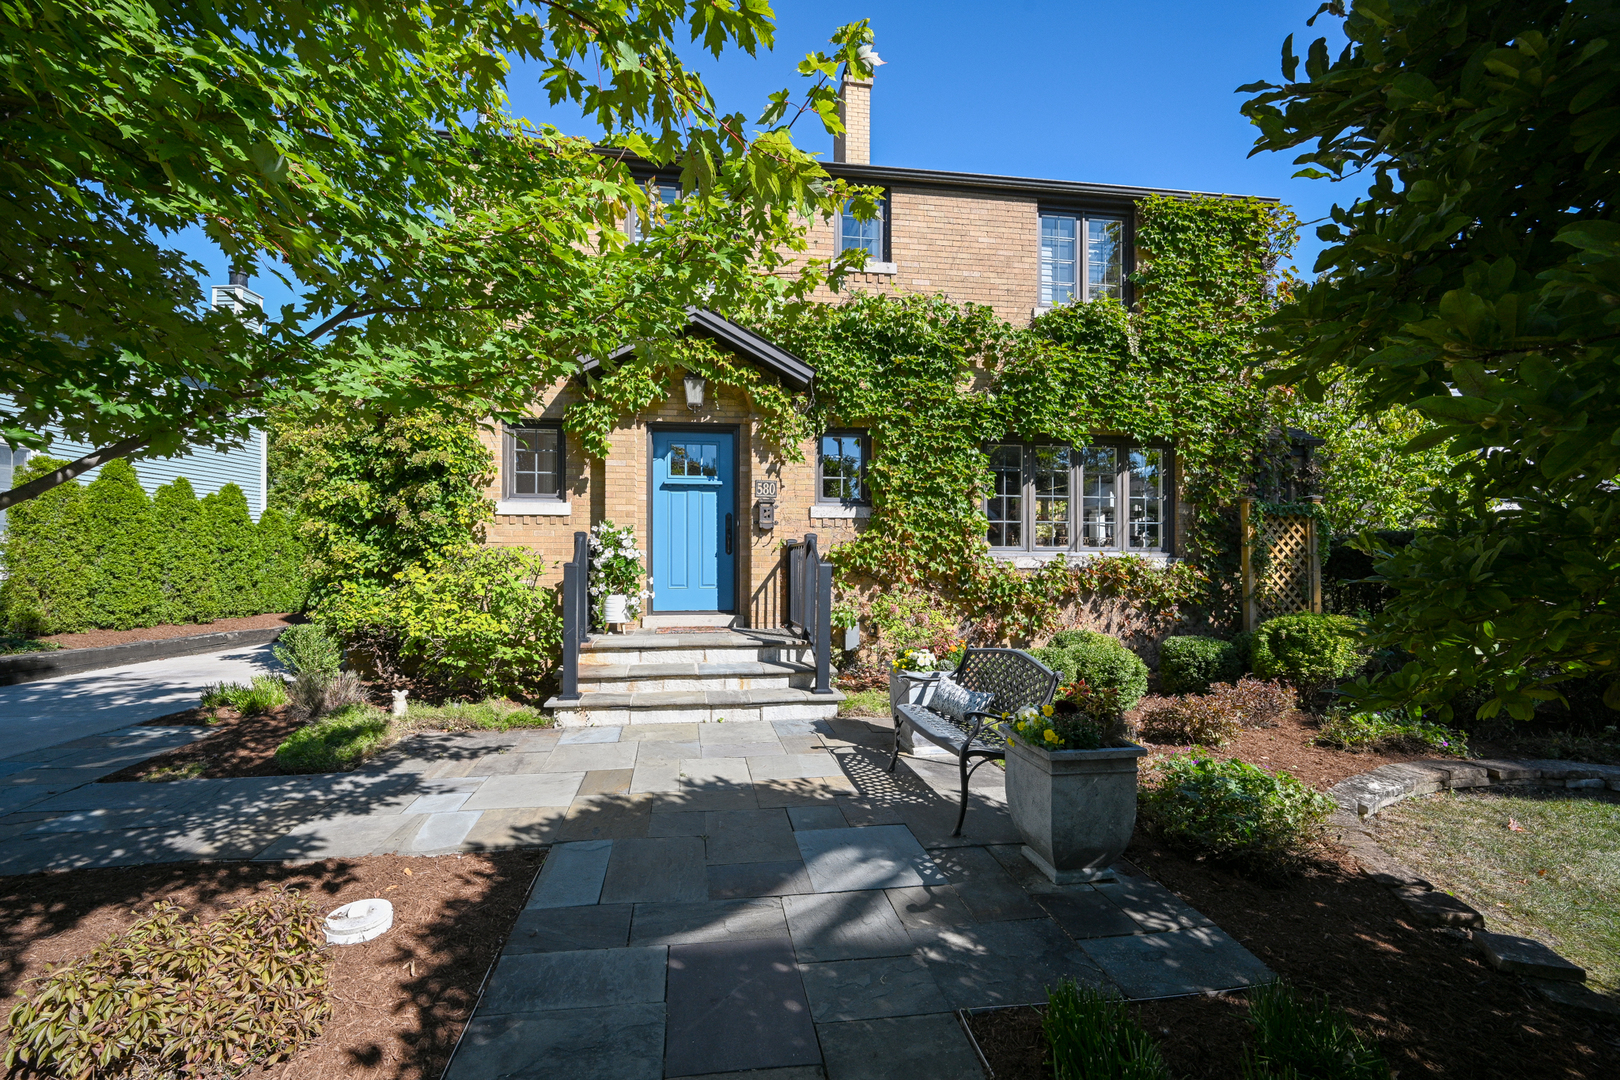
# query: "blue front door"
694, 526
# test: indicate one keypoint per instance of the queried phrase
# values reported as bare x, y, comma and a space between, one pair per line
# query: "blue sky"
1122, 93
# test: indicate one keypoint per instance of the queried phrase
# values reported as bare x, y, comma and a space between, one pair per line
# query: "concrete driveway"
39, 714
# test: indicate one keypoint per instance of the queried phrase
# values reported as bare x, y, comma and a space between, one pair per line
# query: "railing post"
823, 602
576, 616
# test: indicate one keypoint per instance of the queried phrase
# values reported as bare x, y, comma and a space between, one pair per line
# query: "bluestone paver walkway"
750, 898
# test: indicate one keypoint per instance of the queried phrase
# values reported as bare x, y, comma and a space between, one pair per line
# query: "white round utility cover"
360, 921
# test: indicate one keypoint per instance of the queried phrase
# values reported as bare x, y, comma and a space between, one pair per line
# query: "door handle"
728, 534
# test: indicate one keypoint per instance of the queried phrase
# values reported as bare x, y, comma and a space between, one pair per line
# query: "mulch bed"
400, 1000
95, 639
238, 745
1424, 995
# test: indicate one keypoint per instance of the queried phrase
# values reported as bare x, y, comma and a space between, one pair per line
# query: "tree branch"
41, 484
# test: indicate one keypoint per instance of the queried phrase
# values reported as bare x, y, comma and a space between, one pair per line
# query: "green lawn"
865, 703
1557, 881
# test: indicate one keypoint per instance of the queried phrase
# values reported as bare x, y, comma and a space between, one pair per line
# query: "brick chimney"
854, 146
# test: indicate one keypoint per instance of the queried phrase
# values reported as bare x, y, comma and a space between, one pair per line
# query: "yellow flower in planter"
1046, 710
1052, 736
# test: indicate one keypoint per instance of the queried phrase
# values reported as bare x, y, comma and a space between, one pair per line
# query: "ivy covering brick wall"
107, 556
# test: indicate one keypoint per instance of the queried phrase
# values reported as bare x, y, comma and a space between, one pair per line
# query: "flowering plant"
1081, 717
916, 659
616, 569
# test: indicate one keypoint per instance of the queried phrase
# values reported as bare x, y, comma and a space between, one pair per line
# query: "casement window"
841, 468
660, 193
534, 461
870, 236
1103, 497
1082, 258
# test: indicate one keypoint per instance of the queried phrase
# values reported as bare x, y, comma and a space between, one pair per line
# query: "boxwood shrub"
1187, 665
1099, 660
1310, 651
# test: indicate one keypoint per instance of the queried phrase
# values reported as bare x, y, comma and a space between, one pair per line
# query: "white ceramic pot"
1075, 809
616, 608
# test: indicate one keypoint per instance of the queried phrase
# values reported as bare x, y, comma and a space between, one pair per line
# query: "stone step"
690, 675
708, 647
694, 706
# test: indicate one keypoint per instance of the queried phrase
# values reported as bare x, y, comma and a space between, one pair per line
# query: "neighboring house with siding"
207, 469
689, 480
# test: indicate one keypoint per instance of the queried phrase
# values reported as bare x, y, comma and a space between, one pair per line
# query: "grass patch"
491, 714
185, 770
1557, 880
1298, 1035
339, 740
864, 703
11, 644
266, 692
1093, 1036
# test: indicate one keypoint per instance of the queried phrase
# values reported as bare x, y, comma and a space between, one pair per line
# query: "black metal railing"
576, 605
809, 603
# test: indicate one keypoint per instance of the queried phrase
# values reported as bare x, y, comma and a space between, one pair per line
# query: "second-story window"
841, 468
660, 193
868, 236
1082, 258
534, 461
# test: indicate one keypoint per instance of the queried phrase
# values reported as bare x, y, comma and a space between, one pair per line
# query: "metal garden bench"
1013, 677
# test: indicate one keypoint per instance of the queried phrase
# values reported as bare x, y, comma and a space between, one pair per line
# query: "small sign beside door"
765, 490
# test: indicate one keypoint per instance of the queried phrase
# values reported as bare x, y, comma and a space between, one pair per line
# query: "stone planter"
1075, 809
913, 688
616, 608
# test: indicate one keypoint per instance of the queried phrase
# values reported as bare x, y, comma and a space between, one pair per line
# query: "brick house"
690, 481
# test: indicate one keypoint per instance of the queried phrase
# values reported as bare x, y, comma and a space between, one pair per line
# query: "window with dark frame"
660, 193
1103, 497
868, 236
534, 461
841, 468
1082, 258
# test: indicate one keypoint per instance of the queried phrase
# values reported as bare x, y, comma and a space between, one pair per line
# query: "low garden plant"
1217, 718
1233, 810
266, 692
1097, 660
1298, 1036
171, 997
1091, 1035
339, 740
1188, 665
491, 714
308, 648
1390, 730
1312, 652
11, 644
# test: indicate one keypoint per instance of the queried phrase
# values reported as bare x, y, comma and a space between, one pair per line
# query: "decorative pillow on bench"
954, 700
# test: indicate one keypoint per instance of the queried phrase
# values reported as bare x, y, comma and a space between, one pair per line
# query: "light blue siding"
208, 470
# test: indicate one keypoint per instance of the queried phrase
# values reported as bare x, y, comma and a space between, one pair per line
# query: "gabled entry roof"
741, 340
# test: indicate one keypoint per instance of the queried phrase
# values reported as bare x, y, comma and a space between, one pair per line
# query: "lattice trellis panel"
1288, 579
1286, 587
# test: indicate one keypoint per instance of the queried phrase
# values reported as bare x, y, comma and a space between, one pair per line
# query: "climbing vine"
934, 382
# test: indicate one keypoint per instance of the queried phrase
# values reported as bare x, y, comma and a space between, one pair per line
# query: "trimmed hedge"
1310, 651
1099, 660
1187, 665
106, 556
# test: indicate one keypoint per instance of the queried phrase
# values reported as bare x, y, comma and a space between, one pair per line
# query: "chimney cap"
239, 277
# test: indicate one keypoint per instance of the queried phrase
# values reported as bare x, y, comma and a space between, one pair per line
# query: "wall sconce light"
694, 392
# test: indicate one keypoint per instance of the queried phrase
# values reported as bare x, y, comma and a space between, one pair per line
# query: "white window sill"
874, 267
829, 512
1031, 560
532, 507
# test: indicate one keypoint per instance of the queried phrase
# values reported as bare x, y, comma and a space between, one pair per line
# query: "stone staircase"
695, 677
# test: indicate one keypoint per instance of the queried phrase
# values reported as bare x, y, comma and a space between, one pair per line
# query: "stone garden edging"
1364, 795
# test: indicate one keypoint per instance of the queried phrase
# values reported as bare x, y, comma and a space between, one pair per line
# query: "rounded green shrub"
1231, 809
1099, 660
1310, 651
1187, 665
